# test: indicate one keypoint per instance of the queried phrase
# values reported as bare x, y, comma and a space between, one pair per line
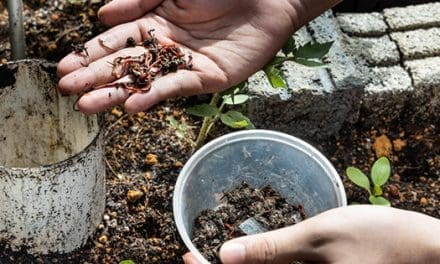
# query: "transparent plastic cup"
258, 157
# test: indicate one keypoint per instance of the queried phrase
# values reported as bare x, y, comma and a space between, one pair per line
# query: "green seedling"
309, 55
380, 173
127, 261
181, 128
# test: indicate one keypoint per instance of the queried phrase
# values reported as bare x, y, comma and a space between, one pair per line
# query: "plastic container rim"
241, 136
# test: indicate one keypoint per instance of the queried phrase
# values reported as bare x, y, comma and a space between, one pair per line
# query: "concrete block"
426, 79
386, 94
311, 106
380, 51
362, 24
413, 17
342, 68
418, 43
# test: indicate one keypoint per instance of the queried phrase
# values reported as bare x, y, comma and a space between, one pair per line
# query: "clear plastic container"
259, 157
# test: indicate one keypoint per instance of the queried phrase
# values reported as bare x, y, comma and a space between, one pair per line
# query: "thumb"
280, 246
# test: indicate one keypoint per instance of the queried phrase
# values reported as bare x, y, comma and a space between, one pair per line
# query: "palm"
226, 39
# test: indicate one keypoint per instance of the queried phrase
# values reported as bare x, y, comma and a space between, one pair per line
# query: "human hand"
354, 234
229, 40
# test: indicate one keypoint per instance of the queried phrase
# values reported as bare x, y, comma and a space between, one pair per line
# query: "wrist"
303, 11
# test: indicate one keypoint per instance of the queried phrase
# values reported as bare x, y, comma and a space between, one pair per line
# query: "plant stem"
207, 123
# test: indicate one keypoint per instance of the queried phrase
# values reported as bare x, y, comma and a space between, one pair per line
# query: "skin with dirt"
143, 153
213, 227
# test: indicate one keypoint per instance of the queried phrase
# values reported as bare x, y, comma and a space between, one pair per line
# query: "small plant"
309, 55
380, 172
181, 128
127, 261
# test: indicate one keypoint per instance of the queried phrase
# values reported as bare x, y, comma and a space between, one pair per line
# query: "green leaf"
173, 121
235, 89
127, 261
309, 63
277, 61
203, 110
313, 50
358, 178
289, 46
377, 190
275, 77
237, 99
379, 200
381, 171
236, 119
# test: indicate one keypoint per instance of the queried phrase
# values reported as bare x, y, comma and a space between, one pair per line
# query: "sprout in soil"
380, 172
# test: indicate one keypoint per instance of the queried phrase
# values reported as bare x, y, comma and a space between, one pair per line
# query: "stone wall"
381, 65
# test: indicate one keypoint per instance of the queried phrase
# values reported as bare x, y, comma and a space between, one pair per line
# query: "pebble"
423, 201
103, 239
116, 112
134, 195
106, 217
394, 191
151, 159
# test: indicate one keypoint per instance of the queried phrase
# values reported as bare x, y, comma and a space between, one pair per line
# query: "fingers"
180, 83
100, 46
280, 246
189, 258
120, 11
102, 99
96, 73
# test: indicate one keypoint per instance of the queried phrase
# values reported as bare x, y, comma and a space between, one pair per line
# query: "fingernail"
232, 253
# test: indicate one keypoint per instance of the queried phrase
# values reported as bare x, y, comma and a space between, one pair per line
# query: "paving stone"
426, 78
418, 43
362, 24
386, 94
413, 17
380, 51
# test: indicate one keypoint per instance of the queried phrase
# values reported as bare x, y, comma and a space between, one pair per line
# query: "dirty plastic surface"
52, 169
259, 157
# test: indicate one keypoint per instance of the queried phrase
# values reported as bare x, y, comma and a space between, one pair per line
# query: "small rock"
382, 146
151, 159
116, 112
178, 164
106, 217
394, 191
113, 214
103, 239
134, 195
399, 144
423, 201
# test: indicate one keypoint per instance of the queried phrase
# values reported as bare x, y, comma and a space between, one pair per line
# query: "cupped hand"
229, 40
355, 234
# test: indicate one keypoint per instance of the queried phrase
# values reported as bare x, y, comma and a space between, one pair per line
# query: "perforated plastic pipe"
16, 29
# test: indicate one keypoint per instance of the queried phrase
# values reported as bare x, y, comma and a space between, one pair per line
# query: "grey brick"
426, 78
386, 94
380, 51
362, 24
311, 107
413, 17
343, 70
418, 43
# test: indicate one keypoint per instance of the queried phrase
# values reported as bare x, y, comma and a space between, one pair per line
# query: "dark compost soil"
144, 154
213, 227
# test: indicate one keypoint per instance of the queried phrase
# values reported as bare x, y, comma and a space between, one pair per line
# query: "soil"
145, 154
213, 227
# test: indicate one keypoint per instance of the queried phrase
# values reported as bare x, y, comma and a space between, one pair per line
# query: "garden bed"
144, 156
